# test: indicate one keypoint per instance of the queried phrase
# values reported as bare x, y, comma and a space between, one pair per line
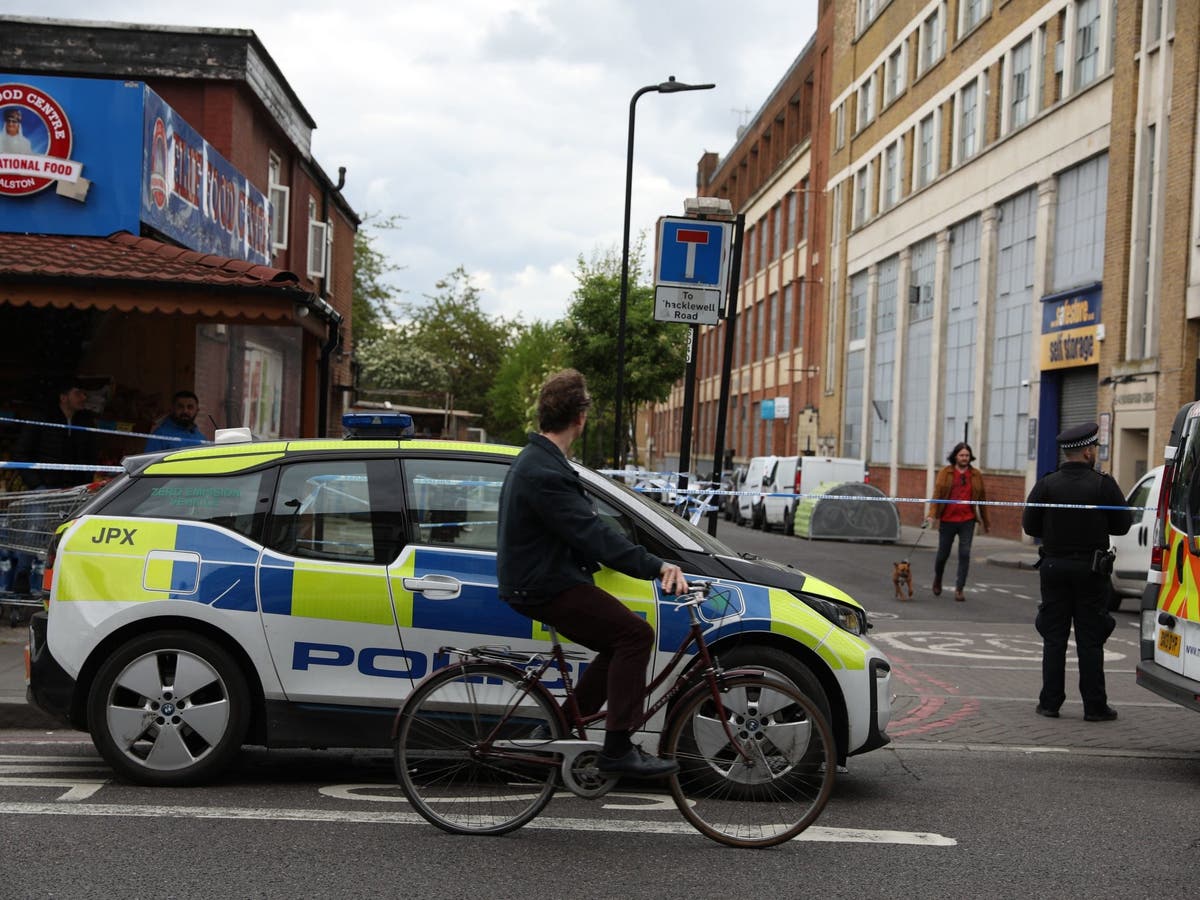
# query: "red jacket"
941, 491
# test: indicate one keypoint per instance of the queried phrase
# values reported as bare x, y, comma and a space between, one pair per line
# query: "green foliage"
373, 296
535, 353
655, 352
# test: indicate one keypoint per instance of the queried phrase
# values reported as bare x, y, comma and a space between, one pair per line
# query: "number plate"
1168, 642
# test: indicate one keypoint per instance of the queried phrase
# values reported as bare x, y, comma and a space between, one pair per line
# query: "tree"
655, 352
372, 296
535, 353
447, 348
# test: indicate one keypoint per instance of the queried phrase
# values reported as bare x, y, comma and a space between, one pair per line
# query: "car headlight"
849, 618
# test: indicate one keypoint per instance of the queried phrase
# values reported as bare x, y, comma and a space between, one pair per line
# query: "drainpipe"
335, 322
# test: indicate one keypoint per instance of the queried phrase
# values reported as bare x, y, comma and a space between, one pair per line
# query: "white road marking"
367, 817
77, 788
975, 645
392, 793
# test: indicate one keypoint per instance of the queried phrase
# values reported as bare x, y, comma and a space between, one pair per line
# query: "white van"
795, 475
783, 479
1133, 548
750, 501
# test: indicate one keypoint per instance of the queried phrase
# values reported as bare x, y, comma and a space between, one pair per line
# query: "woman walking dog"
960, 486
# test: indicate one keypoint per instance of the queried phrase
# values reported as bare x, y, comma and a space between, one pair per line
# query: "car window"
230, 501
1185, 491
614, 518
337, 510
453, 502
1139, 497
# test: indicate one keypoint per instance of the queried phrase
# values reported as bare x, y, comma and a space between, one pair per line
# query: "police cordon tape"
89, 428
711, 492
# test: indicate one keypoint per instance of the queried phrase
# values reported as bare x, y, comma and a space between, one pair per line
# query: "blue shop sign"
70, 155
192, 194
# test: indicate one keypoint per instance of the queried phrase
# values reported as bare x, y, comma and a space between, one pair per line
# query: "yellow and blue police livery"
292, 593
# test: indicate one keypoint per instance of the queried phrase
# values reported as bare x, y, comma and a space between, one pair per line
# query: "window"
230, 501
347, 511
862, 191
926, 151
759, 328
773, 331
318, 251
805, 207
793, 237
931, 38
971, 13
866, 102
867, 11
1087, 42
894, 84
1022, 60
279, 195
839, 126
454, 502
751, 244
968, 116
785, 334
891, 176
777, 231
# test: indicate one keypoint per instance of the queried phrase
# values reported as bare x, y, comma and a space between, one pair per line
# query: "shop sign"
1069, 328
69, 134
193, 195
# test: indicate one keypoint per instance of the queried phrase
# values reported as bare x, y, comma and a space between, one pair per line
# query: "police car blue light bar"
377, 425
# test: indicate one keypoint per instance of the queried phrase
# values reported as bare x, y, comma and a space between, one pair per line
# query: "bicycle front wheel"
446, 775
766, 784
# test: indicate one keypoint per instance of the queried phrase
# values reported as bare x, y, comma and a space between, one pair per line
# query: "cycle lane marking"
816, 833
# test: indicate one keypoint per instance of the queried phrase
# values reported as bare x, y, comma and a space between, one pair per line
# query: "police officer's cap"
1078, 436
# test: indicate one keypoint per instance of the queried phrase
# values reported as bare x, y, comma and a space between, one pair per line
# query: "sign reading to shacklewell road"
691, 271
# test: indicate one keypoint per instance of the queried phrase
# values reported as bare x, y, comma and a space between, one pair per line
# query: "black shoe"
1105, 715
937, 585
636, 763
1048, 713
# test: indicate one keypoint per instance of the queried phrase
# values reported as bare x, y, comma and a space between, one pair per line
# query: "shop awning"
131, 273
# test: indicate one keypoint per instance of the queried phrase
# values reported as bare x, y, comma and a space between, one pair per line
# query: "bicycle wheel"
772, 793
445, 776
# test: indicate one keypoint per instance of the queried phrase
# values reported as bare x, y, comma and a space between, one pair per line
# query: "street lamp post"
670, 86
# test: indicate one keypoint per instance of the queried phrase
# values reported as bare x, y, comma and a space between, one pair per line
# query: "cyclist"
550, 542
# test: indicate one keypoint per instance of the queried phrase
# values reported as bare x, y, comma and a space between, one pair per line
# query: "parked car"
1133, 548
798, 475
291, 593
750, 503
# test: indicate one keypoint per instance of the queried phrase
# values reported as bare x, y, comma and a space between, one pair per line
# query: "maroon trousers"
622, 641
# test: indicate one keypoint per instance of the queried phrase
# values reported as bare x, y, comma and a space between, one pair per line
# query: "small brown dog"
902, 575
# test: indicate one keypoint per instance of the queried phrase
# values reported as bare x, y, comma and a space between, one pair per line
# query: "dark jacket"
1075, 532
41, 444
550, 537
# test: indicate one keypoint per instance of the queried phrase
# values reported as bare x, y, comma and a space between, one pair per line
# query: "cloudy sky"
498, 128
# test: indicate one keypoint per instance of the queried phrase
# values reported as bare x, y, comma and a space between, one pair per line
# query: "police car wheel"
774, 661
169, 708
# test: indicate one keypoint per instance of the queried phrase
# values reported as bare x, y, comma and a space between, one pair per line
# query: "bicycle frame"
579, 723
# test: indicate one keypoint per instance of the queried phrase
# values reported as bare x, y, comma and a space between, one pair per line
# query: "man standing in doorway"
1075, 569
180, 424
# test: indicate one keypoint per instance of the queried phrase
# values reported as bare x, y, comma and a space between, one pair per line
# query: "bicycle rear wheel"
447, 778
772, 793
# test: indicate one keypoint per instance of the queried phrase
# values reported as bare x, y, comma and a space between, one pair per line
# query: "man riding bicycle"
550, 542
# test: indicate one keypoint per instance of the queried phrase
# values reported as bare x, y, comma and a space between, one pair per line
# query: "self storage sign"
1070, 329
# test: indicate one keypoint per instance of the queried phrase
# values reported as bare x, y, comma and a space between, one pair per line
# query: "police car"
291, 593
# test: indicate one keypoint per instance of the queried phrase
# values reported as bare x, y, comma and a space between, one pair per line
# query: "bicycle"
480, 744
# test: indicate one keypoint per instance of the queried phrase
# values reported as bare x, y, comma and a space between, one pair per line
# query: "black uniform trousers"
1073, 594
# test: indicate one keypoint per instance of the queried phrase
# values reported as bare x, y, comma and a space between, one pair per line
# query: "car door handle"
434, 587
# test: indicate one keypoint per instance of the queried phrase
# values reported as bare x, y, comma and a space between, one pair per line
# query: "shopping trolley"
28, 521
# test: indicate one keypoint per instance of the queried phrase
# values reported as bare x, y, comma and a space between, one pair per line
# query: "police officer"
1075, 569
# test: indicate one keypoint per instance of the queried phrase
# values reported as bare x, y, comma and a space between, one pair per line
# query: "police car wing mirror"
434, 587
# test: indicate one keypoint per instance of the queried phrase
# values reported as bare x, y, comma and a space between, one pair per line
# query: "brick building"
774, 176
183, 237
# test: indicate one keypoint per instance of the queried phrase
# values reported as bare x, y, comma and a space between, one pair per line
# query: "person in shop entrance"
60, 441
179, 424
959, 491
1075, 570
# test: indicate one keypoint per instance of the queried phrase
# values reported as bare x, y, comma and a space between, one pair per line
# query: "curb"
16, 714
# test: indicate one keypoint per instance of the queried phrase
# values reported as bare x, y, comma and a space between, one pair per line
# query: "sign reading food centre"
35, 141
